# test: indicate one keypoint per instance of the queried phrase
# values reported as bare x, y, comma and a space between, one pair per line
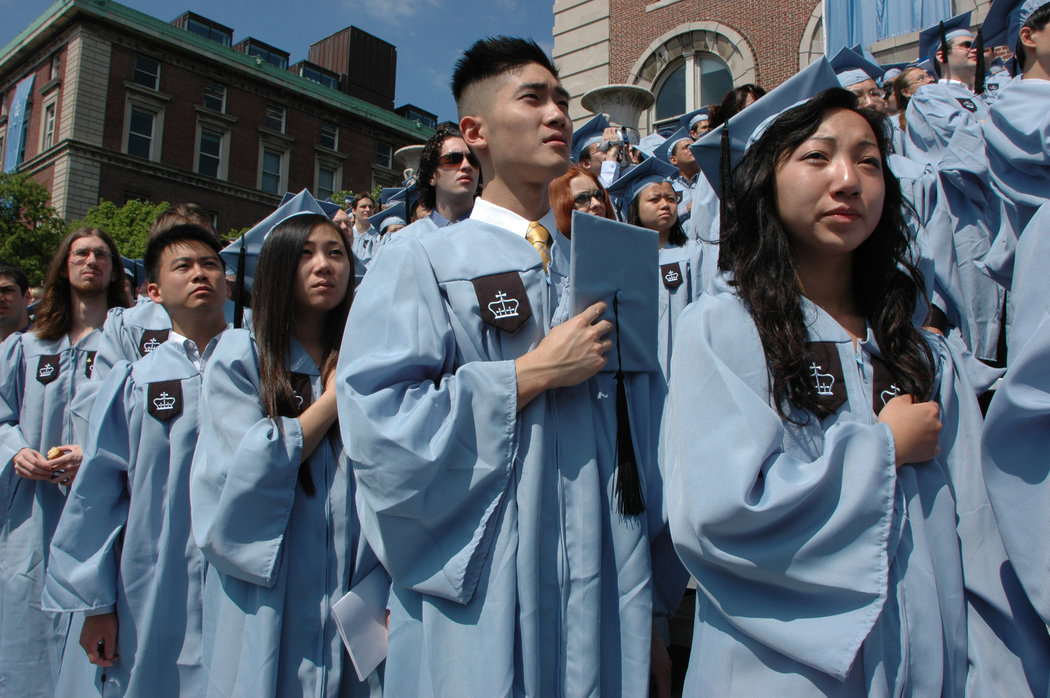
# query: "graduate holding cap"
272, 490
485, 436
831, 507
123, 553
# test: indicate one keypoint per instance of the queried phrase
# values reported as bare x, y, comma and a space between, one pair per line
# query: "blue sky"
428, 34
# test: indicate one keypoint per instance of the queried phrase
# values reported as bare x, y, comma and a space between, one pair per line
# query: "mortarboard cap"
634, 180
588, 134
388, 193
252, 240
851, 68
813, 79
648, 144
134, 268
1002, 25
663, 151
330, 208
930, 37
619, 264
391, 215
695, 116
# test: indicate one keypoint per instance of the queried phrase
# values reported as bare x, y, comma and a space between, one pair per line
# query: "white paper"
360, 617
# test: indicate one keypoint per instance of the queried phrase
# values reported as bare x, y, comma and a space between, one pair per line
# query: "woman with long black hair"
272, 490
827, 516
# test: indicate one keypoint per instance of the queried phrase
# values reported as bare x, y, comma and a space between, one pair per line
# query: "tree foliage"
30, 230
128, 225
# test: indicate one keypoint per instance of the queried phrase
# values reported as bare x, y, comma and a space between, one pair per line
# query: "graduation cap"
935, 38
663, 151
391, 215
244, 251
634, 180
648, 144
588, 134
134, 268
387, 193
811, 80
1002, 26
852, 68
893, 71
695, 116
619, 264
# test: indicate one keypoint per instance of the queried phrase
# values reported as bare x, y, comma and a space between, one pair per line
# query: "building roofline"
123, 16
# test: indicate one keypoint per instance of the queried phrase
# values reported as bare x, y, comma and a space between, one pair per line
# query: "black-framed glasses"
584, 198
455, 159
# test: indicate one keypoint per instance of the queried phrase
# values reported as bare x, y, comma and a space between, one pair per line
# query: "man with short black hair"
14, 299
471, 405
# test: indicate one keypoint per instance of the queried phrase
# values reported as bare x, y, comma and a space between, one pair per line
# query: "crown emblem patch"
883, 387
47, 368
304, 393
825, 370
672, 275
151, 339
502, 301
164, 399
89, 364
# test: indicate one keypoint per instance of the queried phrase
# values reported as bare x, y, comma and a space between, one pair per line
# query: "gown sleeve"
245, 468
12, 386
85, 551
430, 424
786, 529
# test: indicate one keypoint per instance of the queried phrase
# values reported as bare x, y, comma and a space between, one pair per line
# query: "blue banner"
852, 22
16, 131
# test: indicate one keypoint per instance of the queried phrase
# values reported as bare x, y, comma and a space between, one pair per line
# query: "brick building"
690, 52
122, 106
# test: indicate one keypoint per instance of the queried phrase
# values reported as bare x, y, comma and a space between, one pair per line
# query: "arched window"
698, 79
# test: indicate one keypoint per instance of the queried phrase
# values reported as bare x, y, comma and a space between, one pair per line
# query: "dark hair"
274, 285
561, 199
357, 200
1036, 21
183, 232
179, 214
494, 56
756, 249
16, 274
733, 103
428, 162
675, 236
54, 316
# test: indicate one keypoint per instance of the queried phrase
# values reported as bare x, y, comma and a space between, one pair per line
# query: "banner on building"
17, 122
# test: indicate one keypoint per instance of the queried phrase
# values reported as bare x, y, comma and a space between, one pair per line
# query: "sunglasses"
584, 198
455, 159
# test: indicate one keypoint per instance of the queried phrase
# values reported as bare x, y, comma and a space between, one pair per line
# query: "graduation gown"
123, 543
824, 569
278, 559
366, 244
512, 571
935, 113
40, 379
680, 285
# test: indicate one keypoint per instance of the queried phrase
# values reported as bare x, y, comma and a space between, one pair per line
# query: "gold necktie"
541, 240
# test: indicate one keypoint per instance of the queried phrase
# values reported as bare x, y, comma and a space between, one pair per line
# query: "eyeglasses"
583, 199
455, 159
81, 255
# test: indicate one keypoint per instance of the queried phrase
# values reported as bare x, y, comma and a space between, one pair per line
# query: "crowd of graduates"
476, 440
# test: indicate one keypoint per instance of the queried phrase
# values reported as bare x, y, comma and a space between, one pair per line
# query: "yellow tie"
540, 239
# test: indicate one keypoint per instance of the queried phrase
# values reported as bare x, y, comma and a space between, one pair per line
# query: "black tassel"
238, 300
944, 54
978, 81
725, 174
628, 485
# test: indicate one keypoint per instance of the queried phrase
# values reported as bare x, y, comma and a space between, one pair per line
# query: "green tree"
30, 230
128, 225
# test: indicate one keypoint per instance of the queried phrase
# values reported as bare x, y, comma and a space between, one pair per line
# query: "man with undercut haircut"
479, 425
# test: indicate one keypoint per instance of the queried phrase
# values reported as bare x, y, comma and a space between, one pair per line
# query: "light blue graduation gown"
935, 113
366, 244
1016, 444
704, 215
278, 559
36, 415
684, 188
123, 543
513, 572
1017, 144
415, 228
825, 570
680, 285
1028, 300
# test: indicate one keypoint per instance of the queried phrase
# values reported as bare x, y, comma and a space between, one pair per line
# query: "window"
326, 182
47, 138
272, 57
311, 73
215, 34
330, 136
140, 133
147, 73
215, 96
384, 155
209, 152
275, 117
56, 64
271, 170
688, 84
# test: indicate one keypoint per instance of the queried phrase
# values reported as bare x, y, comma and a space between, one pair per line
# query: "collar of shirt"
954, 82
190, 347
488, 212
439, 220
